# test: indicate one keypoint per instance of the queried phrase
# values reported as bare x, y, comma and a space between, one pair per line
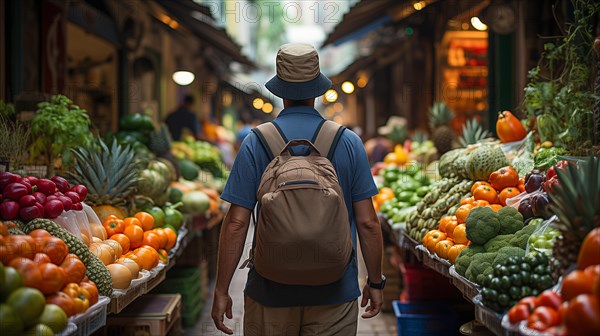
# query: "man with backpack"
307, 183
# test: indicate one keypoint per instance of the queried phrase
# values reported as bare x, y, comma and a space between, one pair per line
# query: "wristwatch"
380, 285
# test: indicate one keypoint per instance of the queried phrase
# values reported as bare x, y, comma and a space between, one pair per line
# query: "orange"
486, 193
145, 219
467, 200
495, 207
460, 234
462, 212
151, 239
477, 184
162, 236
450, 229
132, 221
150, 256
135, 234
508, 192
172, 238
480, 203
123, 240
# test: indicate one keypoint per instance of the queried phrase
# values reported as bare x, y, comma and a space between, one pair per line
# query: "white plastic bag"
543, 238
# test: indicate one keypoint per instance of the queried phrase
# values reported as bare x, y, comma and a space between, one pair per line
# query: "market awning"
368, 15
197, 18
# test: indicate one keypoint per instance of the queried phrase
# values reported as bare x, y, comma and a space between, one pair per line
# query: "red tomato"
518, 313
575, 283
53, 278
529, 301
64, 301
583, 315
29, 271
56, 249
548, 298
543, 318
41, 258
74, 268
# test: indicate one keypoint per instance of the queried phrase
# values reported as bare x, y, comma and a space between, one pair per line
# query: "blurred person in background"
184, 119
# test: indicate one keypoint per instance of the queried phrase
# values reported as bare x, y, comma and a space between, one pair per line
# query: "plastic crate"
425, 319
152, 315
69, 330
93, 319
191, 313
424, 284
186, 281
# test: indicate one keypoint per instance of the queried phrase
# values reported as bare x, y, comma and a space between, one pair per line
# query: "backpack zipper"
283, 184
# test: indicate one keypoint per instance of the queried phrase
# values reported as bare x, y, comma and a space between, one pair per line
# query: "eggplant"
525, 208
539, 205
534, 180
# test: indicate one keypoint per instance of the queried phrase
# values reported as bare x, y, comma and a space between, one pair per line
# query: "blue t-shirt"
352, 167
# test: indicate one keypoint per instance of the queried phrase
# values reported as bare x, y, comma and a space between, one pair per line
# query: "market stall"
103, 225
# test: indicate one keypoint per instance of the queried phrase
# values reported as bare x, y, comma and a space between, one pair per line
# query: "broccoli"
476, 269
521, 237
465, 257
498, 242
484, 257
471, 250
482, 224
511, 220
480, 279
507, 252
462, 264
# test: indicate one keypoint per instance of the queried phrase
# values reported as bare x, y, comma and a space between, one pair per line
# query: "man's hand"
222, 305
373, 297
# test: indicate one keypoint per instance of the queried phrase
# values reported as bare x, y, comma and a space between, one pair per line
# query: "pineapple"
472, 132
439, 119
419, 137
110, 174
576, 203
160, 141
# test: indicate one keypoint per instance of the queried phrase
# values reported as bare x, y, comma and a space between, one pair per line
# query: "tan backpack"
302, 235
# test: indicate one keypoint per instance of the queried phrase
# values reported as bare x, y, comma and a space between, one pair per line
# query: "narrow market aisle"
383, 324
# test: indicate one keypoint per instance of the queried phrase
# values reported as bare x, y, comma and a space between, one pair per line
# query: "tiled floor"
383, 324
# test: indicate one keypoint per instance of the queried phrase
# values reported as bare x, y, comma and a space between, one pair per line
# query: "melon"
484, 160
189, 170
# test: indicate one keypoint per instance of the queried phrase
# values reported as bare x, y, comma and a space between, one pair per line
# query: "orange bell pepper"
80, 296
113, 225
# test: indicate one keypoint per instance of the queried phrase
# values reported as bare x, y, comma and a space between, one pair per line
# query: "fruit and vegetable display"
112, 219
509, 217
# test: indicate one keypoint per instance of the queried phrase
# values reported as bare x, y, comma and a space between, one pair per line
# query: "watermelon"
484, 160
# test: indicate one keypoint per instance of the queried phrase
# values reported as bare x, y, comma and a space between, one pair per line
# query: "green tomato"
54, 317
12, 281
29, 302
11, 322
39, 330
173, 217
505, 282
503, 300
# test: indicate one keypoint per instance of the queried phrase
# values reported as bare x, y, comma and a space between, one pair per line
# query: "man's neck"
299, 103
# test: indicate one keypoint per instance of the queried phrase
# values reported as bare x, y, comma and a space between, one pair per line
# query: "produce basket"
93, 319
468, 288
425, 319
513, 329
70, 330
121, 298
489, 318
434, 262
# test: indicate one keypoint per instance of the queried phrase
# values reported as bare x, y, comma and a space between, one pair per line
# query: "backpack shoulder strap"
270, 138
328, 137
